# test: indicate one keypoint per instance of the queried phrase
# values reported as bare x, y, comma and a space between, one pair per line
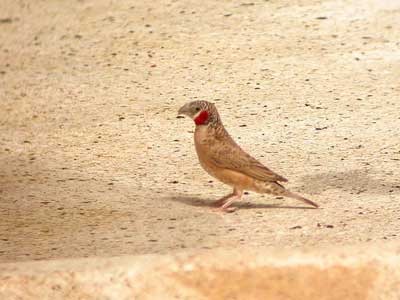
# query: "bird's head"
202, 112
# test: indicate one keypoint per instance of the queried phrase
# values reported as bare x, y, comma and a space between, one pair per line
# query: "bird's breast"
201, 134
203, 142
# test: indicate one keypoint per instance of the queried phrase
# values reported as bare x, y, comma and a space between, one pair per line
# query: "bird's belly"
230, 177
213, 171
240, 180
236, 179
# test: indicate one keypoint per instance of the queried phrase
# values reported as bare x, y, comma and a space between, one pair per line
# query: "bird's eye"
197, 108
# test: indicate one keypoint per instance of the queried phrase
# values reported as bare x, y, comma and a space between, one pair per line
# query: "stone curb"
347, 273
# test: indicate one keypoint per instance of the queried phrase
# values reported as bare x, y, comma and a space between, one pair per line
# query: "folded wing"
228, 155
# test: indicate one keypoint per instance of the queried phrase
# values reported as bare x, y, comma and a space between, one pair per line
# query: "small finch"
223, 159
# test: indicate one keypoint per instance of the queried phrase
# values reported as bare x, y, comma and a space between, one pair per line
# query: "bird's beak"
184, 110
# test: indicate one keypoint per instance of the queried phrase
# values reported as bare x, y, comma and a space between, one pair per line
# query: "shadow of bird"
199, 202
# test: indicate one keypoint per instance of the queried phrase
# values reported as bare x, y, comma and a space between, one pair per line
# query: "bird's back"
217, 150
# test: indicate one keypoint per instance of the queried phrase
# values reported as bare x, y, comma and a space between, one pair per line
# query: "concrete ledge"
349, 273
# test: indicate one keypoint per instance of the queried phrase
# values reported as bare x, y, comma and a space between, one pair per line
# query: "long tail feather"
298, 197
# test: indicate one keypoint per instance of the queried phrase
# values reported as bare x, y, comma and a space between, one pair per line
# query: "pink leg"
236, 195
222, 200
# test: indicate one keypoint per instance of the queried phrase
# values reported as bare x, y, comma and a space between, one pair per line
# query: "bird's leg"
236, 195
222, 200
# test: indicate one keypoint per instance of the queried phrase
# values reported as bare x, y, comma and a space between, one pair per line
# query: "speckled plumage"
223, 159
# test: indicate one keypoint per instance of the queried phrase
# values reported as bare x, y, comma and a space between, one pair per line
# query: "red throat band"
201, 118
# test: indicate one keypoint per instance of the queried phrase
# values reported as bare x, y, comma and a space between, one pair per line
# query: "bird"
225, 160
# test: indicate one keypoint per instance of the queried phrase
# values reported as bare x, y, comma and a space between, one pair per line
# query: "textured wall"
246, 274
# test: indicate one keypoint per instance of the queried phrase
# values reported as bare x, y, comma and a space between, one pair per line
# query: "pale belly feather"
229, 177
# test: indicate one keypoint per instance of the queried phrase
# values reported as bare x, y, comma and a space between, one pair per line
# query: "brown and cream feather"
224, 159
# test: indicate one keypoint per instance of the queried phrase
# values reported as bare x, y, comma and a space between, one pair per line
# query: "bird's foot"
224, 209
219, 202
223, 200
226, 201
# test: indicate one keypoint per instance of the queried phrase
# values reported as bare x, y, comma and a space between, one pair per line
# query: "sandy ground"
95, 163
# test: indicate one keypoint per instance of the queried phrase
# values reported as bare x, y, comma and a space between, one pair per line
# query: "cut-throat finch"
223, 159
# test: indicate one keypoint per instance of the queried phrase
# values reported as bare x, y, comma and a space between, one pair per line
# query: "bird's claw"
224, 210
219, 203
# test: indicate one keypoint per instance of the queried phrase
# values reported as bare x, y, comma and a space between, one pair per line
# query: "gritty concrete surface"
350, 274
93, 161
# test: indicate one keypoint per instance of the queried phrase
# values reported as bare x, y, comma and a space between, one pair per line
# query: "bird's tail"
298, 197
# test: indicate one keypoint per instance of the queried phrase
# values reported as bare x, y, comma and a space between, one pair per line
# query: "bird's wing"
229, 155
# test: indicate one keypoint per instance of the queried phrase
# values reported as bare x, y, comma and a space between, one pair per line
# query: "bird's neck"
205, 118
